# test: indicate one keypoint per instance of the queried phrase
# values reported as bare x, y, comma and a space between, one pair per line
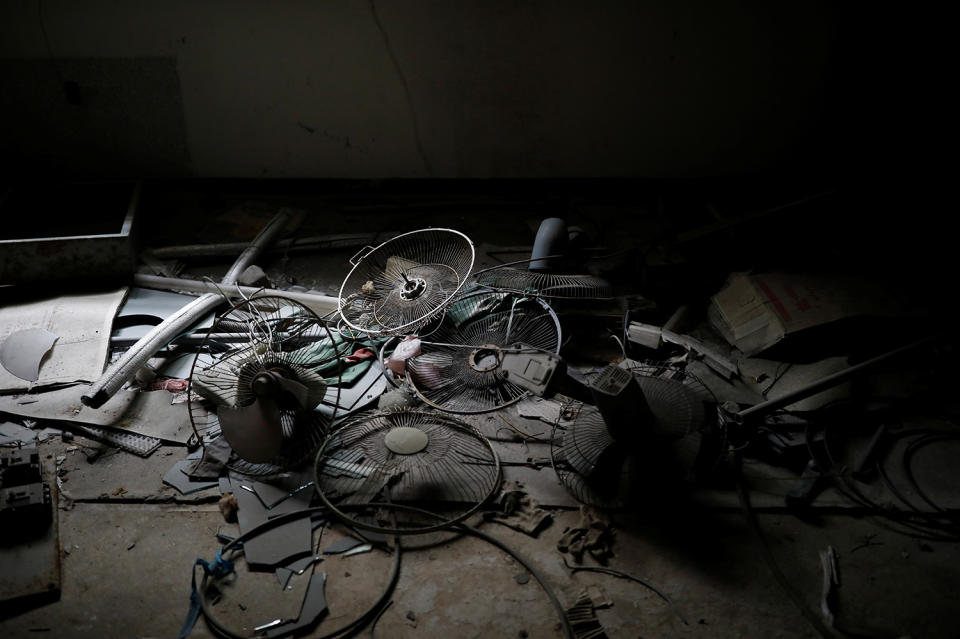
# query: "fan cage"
403, 283
452, 477
578, 449
449, 374
274, 331
547, 285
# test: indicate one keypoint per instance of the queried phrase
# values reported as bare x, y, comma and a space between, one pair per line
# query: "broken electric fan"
403, 283
646, 423
261, 371
490, 350
408, 458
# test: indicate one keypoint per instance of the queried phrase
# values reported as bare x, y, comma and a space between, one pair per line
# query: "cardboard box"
755, 311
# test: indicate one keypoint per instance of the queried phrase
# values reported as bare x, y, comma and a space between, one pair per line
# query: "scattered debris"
359, 550
593, 534
215, 455
253, 275
80, 326
280, 544
519, 510
407, 348
599, 596
313, 609
11, 433
228, 508
283, 576
623, 575
831, 579
583, 619
547, 410
755, 311
342, 545
177, 478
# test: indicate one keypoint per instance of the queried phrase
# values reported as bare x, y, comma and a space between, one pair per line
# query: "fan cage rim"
446, 524
426, 317
264, 469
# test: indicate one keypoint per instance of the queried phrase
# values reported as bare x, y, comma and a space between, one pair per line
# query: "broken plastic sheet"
12, 434
287, 541
149, 413
82, 325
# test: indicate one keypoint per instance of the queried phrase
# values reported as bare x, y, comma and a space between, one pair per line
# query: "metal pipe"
343, 240
767, 407
265, 237
160, 335
316, 302
552, 238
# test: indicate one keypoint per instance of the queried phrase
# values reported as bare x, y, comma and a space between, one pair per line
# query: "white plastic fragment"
407, 348
23, 352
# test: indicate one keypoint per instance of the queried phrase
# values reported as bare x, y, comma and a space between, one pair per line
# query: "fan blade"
254, 432
299, 391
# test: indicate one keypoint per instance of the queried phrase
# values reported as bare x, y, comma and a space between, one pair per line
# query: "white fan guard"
398, 286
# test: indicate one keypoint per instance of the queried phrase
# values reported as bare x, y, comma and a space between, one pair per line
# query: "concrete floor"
128, 542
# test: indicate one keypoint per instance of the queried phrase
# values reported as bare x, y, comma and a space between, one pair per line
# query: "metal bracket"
359, 255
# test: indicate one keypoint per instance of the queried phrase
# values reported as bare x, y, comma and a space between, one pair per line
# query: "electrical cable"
913, 523
520, 559
908, 454
771, 562
347, 630
628, 576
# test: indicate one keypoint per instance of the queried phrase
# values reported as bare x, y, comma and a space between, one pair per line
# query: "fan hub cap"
486, 358
413, 288
406, 440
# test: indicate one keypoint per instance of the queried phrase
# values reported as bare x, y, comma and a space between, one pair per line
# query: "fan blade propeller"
254, 432
299, 391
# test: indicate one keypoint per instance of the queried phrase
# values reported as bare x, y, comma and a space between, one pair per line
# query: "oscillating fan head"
402, 284
647, 421
260, 373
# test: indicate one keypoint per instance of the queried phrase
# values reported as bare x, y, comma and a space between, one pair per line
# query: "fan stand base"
406, 440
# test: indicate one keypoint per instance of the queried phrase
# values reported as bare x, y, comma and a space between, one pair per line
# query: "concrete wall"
497, 88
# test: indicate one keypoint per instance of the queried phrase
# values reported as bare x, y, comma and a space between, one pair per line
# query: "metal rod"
160, 335
767, 407
514, 263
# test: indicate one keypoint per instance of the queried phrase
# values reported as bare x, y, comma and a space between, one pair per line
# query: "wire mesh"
598, 470
458, 369
401, 284
548, 285
455, 472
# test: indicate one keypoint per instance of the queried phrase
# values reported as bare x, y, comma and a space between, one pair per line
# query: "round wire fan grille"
259, 374
597, 469
413, 458
459, 367
400, 285
549, 285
